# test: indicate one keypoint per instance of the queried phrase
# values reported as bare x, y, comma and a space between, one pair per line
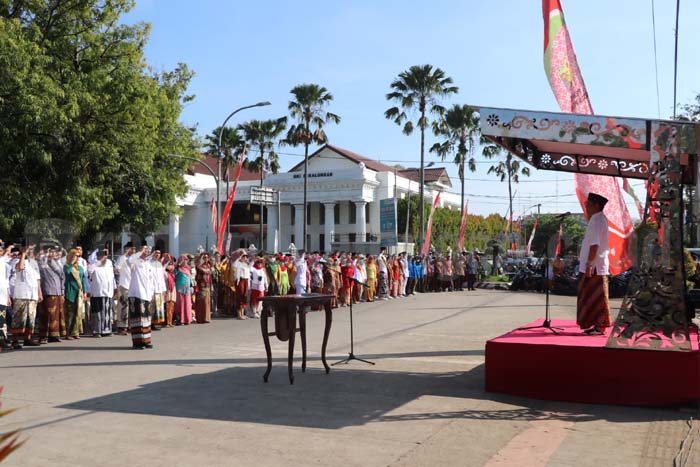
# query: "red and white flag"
532, 236
463, 227
214, 216
568, 86
557, 250
229, 205
426, 242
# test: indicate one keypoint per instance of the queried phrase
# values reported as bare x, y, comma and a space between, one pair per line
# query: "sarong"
72, 317
202, 306
592, 306
139, 322
123, 308
157, 310
242, 295
3, 323
382, 286
49, 316
183, 308
101, 310
24, 317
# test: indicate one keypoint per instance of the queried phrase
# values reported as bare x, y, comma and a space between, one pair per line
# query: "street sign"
264, 196
387, 222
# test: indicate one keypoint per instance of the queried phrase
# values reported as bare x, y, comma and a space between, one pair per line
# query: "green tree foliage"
85, 126
419, 88
262, 135
480, 230
573, 230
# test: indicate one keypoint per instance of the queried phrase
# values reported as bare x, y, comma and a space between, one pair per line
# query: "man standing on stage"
592, 307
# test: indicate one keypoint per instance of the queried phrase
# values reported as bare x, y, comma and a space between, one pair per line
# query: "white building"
343, 194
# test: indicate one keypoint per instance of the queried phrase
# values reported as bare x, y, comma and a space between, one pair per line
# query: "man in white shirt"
124, 271
101, 278
27, 293
4, 293
300, 278
404, 266
383, 277
142, 286
592, 306
157, 305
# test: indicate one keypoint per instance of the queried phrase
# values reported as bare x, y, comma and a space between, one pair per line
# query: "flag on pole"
628, 189
463, 227
567, 84
532, 236
214, 216
426, 243
229, 205
557, 251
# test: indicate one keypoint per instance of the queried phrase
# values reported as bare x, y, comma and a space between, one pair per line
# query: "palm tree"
308, 109
418, 87
262, 134
460, 127
509, 169
230, 151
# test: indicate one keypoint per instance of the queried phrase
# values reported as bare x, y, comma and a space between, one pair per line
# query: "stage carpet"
575, 367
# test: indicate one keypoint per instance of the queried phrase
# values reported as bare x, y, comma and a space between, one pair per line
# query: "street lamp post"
218, 162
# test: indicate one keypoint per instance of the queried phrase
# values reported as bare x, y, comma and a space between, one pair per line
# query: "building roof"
369, 163
211, 161
430, 175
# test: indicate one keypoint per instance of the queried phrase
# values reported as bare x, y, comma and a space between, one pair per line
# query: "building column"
272, 230
360, 221
329, 226
174, 236
299, 226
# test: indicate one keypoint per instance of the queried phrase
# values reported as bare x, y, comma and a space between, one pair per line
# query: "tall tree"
262, 135
509, 169
230, 151
309, 111
419, 88
85, 125
460, 127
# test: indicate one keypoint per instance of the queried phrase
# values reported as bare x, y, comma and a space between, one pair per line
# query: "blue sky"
245, 52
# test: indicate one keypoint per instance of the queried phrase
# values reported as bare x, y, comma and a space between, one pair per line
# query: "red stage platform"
575, 367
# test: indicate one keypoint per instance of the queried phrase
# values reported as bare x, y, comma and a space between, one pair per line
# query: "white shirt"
242, 270
159, 272
596, 234
258, 279
300, 279
4, 279
101, 279
381, 261
124, 271
26, 283
142, 282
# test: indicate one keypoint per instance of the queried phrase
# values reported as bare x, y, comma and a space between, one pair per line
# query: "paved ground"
198, 398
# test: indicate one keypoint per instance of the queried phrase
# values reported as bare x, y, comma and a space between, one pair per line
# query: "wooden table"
285, 309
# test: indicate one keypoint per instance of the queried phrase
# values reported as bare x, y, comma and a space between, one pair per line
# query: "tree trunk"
262, 165
510, 202
421, 208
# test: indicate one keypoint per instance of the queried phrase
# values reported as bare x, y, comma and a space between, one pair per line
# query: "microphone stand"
351, 355
547, 323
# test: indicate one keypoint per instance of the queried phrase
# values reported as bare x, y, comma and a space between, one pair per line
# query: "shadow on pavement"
343, 398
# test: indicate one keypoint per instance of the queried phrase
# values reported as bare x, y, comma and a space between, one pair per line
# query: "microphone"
561, 216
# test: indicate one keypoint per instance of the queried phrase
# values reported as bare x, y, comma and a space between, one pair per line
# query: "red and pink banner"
557, 251
214, 216
568, 86
426, 242
532, 236
229, 205
463, 227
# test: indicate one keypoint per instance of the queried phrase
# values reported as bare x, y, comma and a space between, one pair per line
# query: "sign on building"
387, 222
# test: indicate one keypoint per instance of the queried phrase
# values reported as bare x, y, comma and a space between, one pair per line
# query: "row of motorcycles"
532, 277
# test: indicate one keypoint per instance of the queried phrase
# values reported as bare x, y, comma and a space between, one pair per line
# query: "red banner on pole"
229, 205
426, 243
463, 227
557, 251
567, 84
214, 216
532, 236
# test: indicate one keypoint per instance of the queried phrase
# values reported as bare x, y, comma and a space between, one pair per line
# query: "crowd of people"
48, 295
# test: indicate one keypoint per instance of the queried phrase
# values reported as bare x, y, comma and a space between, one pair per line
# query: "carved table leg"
266, 340
326, 333
292, 320
302, 331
